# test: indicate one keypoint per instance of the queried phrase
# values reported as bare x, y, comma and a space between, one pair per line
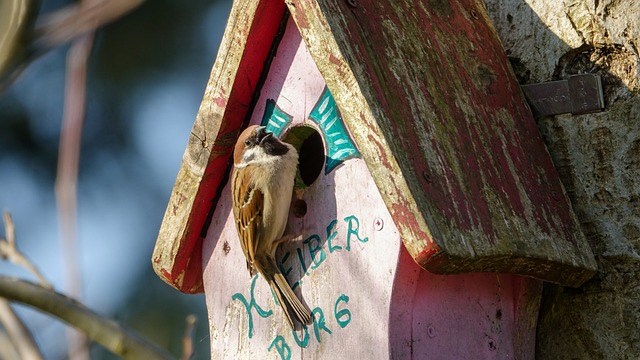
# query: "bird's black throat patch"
273, 146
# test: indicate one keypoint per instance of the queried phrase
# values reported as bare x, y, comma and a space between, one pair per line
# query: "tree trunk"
598, 158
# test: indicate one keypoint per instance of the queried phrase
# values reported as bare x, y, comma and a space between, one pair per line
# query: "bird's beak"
262, 134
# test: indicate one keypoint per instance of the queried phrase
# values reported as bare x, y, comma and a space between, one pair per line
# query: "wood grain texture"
248, 38
426, 90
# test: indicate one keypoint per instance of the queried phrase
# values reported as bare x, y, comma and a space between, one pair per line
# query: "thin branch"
67, 175
83, 19
7, 350
187, 339
20, 336
109, 333
69, 157
9, 229
9, 251
75, 20
62, 26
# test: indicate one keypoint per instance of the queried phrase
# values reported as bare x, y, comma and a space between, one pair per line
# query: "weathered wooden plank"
248, 38
426, 89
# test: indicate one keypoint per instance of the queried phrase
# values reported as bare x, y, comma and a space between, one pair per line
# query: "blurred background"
146, 78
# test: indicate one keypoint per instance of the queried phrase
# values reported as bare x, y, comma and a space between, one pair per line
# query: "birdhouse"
426, 208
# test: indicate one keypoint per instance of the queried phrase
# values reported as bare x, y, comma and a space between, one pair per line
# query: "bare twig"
9, 251
109, 333
187, 339
67, 175
7, 350
75, 20
58, 28
20, 336
68, 159
85, 18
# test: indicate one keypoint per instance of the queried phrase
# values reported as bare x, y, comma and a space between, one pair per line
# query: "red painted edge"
188, 260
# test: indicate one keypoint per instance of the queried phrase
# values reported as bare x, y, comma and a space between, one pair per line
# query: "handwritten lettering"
281, 347
331, 234
248, 305
342, 314
342, 317
354, 227
315, 249
305, 339
312, 248
319, 323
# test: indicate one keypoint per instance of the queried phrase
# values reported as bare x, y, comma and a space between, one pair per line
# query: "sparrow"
264, 170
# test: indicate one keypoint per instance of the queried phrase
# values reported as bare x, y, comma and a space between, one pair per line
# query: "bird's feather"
248, 209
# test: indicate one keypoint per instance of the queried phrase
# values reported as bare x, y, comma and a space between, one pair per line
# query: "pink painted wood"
368, 297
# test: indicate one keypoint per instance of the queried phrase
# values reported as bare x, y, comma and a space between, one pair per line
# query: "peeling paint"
441, 100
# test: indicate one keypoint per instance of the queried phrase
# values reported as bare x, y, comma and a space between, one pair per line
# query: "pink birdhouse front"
346, 260
401, 170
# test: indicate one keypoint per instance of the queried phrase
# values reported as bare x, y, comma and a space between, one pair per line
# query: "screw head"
431, 331
426, 177
378, 224
226, 248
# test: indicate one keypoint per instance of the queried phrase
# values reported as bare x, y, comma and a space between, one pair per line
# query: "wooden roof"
427, 91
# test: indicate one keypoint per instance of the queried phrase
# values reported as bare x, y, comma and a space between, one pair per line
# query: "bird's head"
255, 142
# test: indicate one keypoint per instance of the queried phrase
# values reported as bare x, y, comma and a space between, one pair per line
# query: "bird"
264, 170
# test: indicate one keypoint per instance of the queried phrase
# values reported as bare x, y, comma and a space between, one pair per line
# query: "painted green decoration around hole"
275, 119
340, 147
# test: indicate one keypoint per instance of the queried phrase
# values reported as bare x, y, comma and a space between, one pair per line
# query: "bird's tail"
288, 300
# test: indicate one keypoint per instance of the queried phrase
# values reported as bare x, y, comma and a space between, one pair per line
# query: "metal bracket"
580, 94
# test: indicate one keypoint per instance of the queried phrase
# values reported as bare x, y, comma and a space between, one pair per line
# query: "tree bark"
598, 158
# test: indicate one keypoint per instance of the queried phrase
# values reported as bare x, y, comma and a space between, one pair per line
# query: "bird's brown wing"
247, 210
